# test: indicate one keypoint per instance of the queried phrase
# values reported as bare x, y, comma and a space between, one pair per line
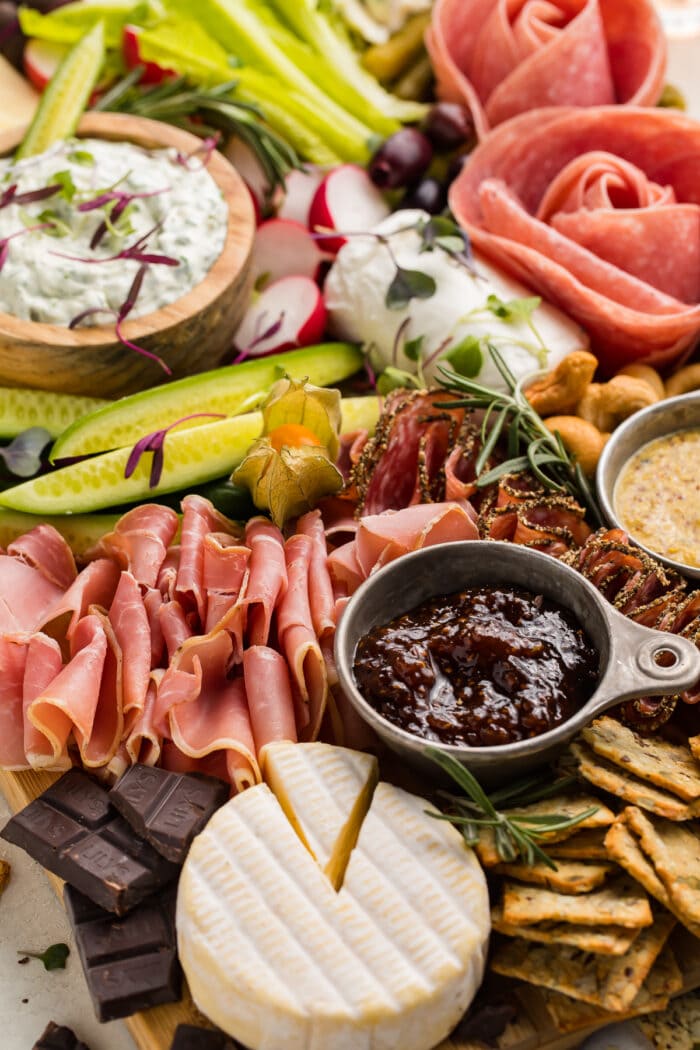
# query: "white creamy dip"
37, 282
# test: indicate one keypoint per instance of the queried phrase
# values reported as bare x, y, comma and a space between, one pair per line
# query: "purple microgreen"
76, 321
133, 251
141, 349
23, 455
133, 294
11, 196
155, 443
5, 241
203, 152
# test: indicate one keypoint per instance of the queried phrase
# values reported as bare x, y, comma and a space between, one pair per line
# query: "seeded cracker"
663, 981
622, 902
608, 777
669, 766
602, 940
610, 982
563, 806
584, 845
694, 743
571, 876
674, 850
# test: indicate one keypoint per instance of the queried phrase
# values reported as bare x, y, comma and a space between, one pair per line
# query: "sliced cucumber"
81, 531
227, 390
64, 100
192, 457
21, 409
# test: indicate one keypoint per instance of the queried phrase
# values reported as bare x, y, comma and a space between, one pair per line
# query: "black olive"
448, 125
401, 160
11, 39
429, 195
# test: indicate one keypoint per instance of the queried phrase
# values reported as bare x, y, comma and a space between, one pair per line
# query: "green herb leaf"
54, 958
81, 156
393, 379
513, 309
65, 180
412, 348
466, 357
58, 227
407, 285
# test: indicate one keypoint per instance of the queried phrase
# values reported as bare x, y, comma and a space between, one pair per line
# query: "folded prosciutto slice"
599, 212
500, 58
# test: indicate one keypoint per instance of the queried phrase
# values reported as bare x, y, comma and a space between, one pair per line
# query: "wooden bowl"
191, 334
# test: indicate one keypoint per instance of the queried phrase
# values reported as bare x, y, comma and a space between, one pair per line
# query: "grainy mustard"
657, 496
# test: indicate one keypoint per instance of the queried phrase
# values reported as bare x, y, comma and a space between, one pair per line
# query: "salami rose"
504, 57
599, 211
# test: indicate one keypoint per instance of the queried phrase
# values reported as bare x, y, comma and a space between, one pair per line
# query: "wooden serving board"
531, 1030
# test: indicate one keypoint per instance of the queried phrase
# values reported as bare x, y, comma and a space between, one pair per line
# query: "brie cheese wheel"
278, 958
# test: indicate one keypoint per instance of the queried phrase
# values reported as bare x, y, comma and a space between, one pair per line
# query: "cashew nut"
649, 375
581, 440
683, 381
563, 388
606, 405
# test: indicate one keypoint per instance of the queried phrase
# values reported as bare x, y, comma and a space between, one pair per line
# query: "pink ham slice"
266, 581
129, 620
593, 209
270, 701
321, 596
199, 518
144, 742
95, 585
13, 661
381, 538
46, 550
173, 623
45, 742
500, 58
298, 639
26, 596
140, 540
225, 564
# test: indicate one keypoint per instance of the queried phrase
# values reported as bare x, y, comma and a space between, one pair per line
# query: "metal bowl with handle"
633, 660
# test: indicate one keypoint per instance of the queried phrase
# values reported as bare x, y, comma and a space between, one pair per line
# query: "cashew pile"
584, 413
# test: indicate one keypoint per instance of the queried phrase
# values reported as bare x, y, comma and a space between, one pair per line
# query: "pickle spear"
66, 95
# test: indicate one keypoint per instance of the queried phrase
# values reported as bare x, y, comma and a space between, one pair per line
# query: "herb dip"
657, 496
37, 282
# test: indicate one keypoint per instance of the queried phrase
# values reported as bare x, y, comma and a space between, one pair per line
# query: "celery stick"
315, 28
67, 24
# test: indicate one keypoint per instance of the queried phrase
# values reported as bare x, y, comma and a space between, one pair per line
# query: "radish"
300, 187
289, 313
131, 52
347, 199
283, 248
41, 60
248, 167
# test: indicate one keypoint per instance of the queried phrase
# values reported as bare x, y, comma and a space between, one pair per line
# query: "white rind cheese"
325, 793
278, 959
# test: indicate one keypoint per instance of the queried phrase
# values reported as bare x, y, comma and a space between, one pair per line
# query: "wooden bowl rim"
150, 134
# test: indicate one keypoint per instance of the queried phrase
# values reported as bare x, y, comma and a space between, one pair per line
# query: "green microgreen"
531, 446
516, 836
54, 958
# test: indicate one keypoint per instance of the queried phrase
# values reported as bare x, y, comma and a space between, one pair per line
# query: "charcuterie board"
532, 1028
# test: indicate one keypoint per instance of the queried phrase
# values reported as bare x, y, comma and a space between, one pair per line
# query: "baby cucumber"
191, 457
21, 409
66, 96
228, 390
81, 531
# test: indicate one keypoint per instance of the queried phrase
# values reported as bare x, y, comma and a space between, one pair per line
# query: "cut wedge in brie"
279, 959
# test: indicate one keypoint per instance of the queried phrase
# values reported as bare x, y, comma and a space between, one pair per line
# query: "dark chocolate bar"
190, 1037
74, 832
167, 809
58, 1037
129, 963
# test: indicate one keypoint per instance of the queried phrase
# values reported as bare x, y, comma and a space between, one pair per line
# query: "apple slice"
300, 188
41, 60
347, 199
289, 313
131, 52
284, 248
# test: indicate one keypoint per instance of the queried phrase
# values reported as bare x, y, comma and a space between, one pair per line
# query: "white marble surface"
31, 916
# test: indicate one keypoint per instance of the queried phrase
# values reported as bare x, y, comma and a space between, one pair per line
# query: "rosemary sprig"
531, 446
515, 836
215, 109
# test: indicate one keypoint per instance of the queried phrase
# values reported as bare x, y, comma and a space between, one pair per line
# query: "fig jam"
488, 665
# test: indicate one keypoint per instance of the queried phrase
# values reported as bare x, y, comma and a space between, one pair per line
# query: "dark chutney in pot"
485, 666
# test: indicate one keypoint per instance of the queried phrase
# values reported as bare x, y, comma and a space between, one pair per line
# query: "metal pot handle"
636, 666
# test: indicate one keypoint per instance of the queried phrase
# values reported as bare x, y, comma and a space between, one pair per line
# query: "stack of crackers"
592, 934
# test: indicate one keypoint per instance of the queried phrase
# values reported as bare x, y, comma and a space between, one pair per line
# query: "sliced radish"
131, 51
347, 199
287, 314
41, 60
299, 189
284, 248
248, 167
